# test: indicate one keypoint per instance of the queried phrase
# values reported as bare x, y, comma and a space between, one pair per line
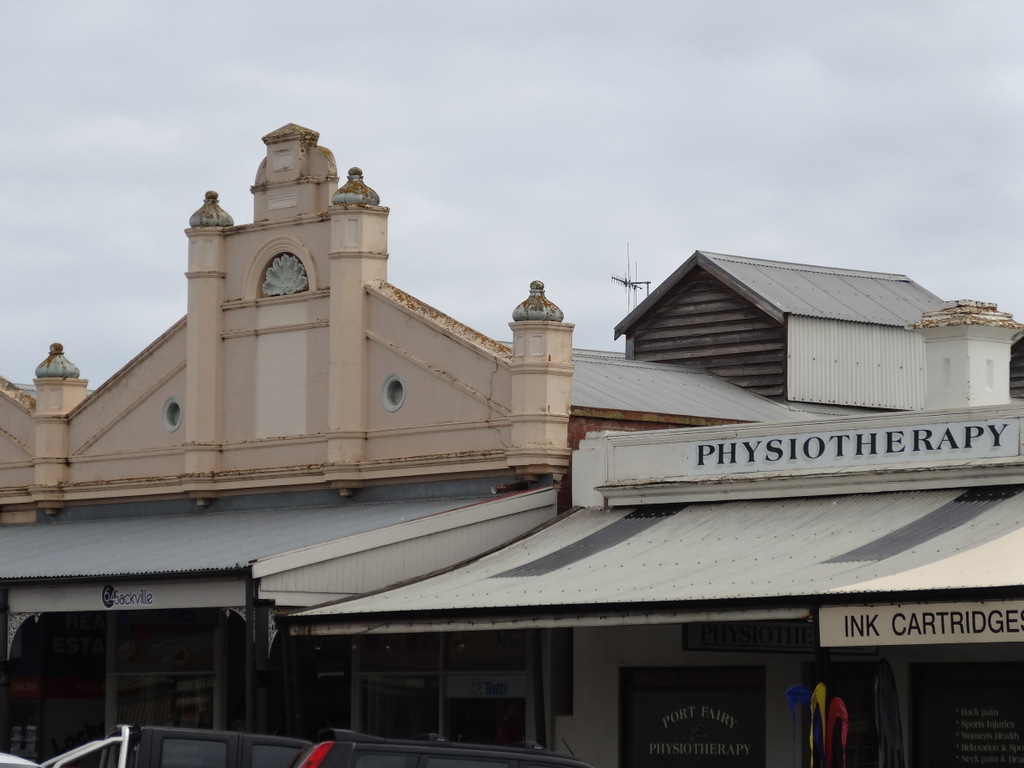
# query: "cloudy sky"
512, 141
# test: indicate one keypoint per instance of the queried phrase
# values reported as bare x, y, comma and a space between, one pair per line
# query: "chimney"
967, 354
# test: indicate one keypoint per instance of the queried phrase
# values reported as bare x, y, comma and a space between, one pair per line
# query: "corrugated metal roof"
193, 543
829, 292
607, 380
723, 551
807, 290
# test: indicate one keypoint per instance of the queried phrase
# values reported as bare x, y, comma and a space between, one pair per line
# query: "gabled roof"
782, 288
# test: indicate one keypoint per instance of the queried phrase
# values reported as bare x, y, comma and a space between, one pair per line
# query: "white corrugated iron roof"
607, 380
643, 559
831, 293
203, 542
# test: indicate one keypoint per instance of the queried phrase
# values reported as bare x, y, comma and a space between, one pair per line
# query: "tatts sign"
960, 440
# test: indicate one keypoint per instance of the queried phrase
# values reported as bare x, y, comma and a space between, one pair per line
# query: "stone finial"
354, 191
307, 137
537, 306
56, 366
211, 214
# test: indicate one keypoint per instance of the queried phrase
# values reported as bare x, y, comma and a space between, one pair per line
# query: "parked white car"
13, 761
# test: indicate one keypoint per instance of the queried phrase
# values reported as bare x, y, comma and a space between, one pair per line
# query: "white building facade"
712, 578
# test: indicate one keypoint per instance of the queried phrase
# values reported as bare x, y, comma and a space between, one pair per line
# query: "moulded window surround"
172, 414
392, 392
264, 258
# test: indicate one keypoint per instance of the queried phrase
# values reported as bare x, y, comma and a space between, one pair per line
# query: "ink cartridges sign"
993, 621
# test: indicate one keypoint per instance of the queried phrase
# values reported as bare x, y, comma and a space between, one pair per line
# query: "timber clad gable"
1017, 370
708, 324
762, 325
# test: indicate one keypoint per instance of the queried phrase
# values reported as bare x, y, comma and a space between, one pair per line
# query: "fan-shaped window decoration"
284, 276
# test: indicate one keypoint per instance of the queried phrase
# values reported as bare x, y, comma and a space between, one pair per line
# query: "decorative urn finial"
354, 191
537, 306
56, 366
211, 214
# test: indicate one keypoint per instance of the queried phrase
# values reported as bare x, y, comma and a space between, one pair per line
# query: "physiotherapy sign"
1000, 621
855, 447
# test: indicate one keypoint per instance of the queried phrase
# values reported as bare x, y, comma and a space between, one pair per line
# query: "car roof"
432, 742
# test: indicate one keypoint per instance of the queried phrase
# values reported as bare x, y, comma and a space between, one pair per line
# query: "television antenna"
631, 284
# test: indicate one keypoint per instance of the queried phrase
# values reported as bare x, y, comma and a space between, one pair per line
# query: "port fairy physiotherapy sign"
711, 717
854, 447
923, 624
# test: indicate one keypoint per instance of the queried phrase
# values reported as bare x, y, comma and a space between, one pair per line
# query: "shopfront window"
399, 706
854, 684
466, 686
968, 714
697, 716
164, 667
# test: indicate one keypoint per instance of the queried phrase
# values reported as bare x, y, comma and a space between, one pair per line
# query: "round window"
392, 393
172, 414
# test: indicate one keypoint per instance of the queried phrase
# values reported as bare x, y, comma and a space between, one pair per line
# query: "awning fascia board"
387, 625
759, 486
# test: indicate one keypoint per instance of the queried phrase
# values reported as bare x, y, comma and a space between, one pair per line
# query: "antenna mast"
631, 284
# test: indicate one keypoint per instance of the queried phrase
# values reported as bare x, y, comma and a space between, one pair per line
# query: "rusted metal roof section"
782, 288
607, 380
792, 550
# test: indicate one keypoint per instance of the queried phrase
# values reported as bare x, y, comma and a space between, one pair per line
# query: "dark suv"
348, 749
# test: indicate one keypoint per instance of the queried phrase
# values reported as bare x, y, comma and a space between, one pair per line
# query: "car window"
380, 760
445, 761
193, 753
271, 755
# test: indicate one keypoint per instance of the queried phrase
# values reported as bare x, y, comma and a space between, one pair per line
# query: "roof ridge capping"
802, 267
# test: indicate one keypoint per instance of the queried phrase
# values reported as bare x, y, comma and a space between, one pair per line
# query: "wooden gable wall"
704, 323
1017, 370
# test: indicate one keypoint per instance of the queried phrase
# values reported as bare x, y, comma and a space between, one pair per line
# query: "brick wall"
584, 421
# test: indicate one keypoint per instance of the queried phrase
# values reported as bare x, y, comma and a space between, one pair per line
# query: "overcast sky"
513, 141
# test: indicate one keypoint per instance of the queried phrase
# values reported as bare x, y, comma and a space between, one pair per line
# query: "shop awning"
299, 555
769, 558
